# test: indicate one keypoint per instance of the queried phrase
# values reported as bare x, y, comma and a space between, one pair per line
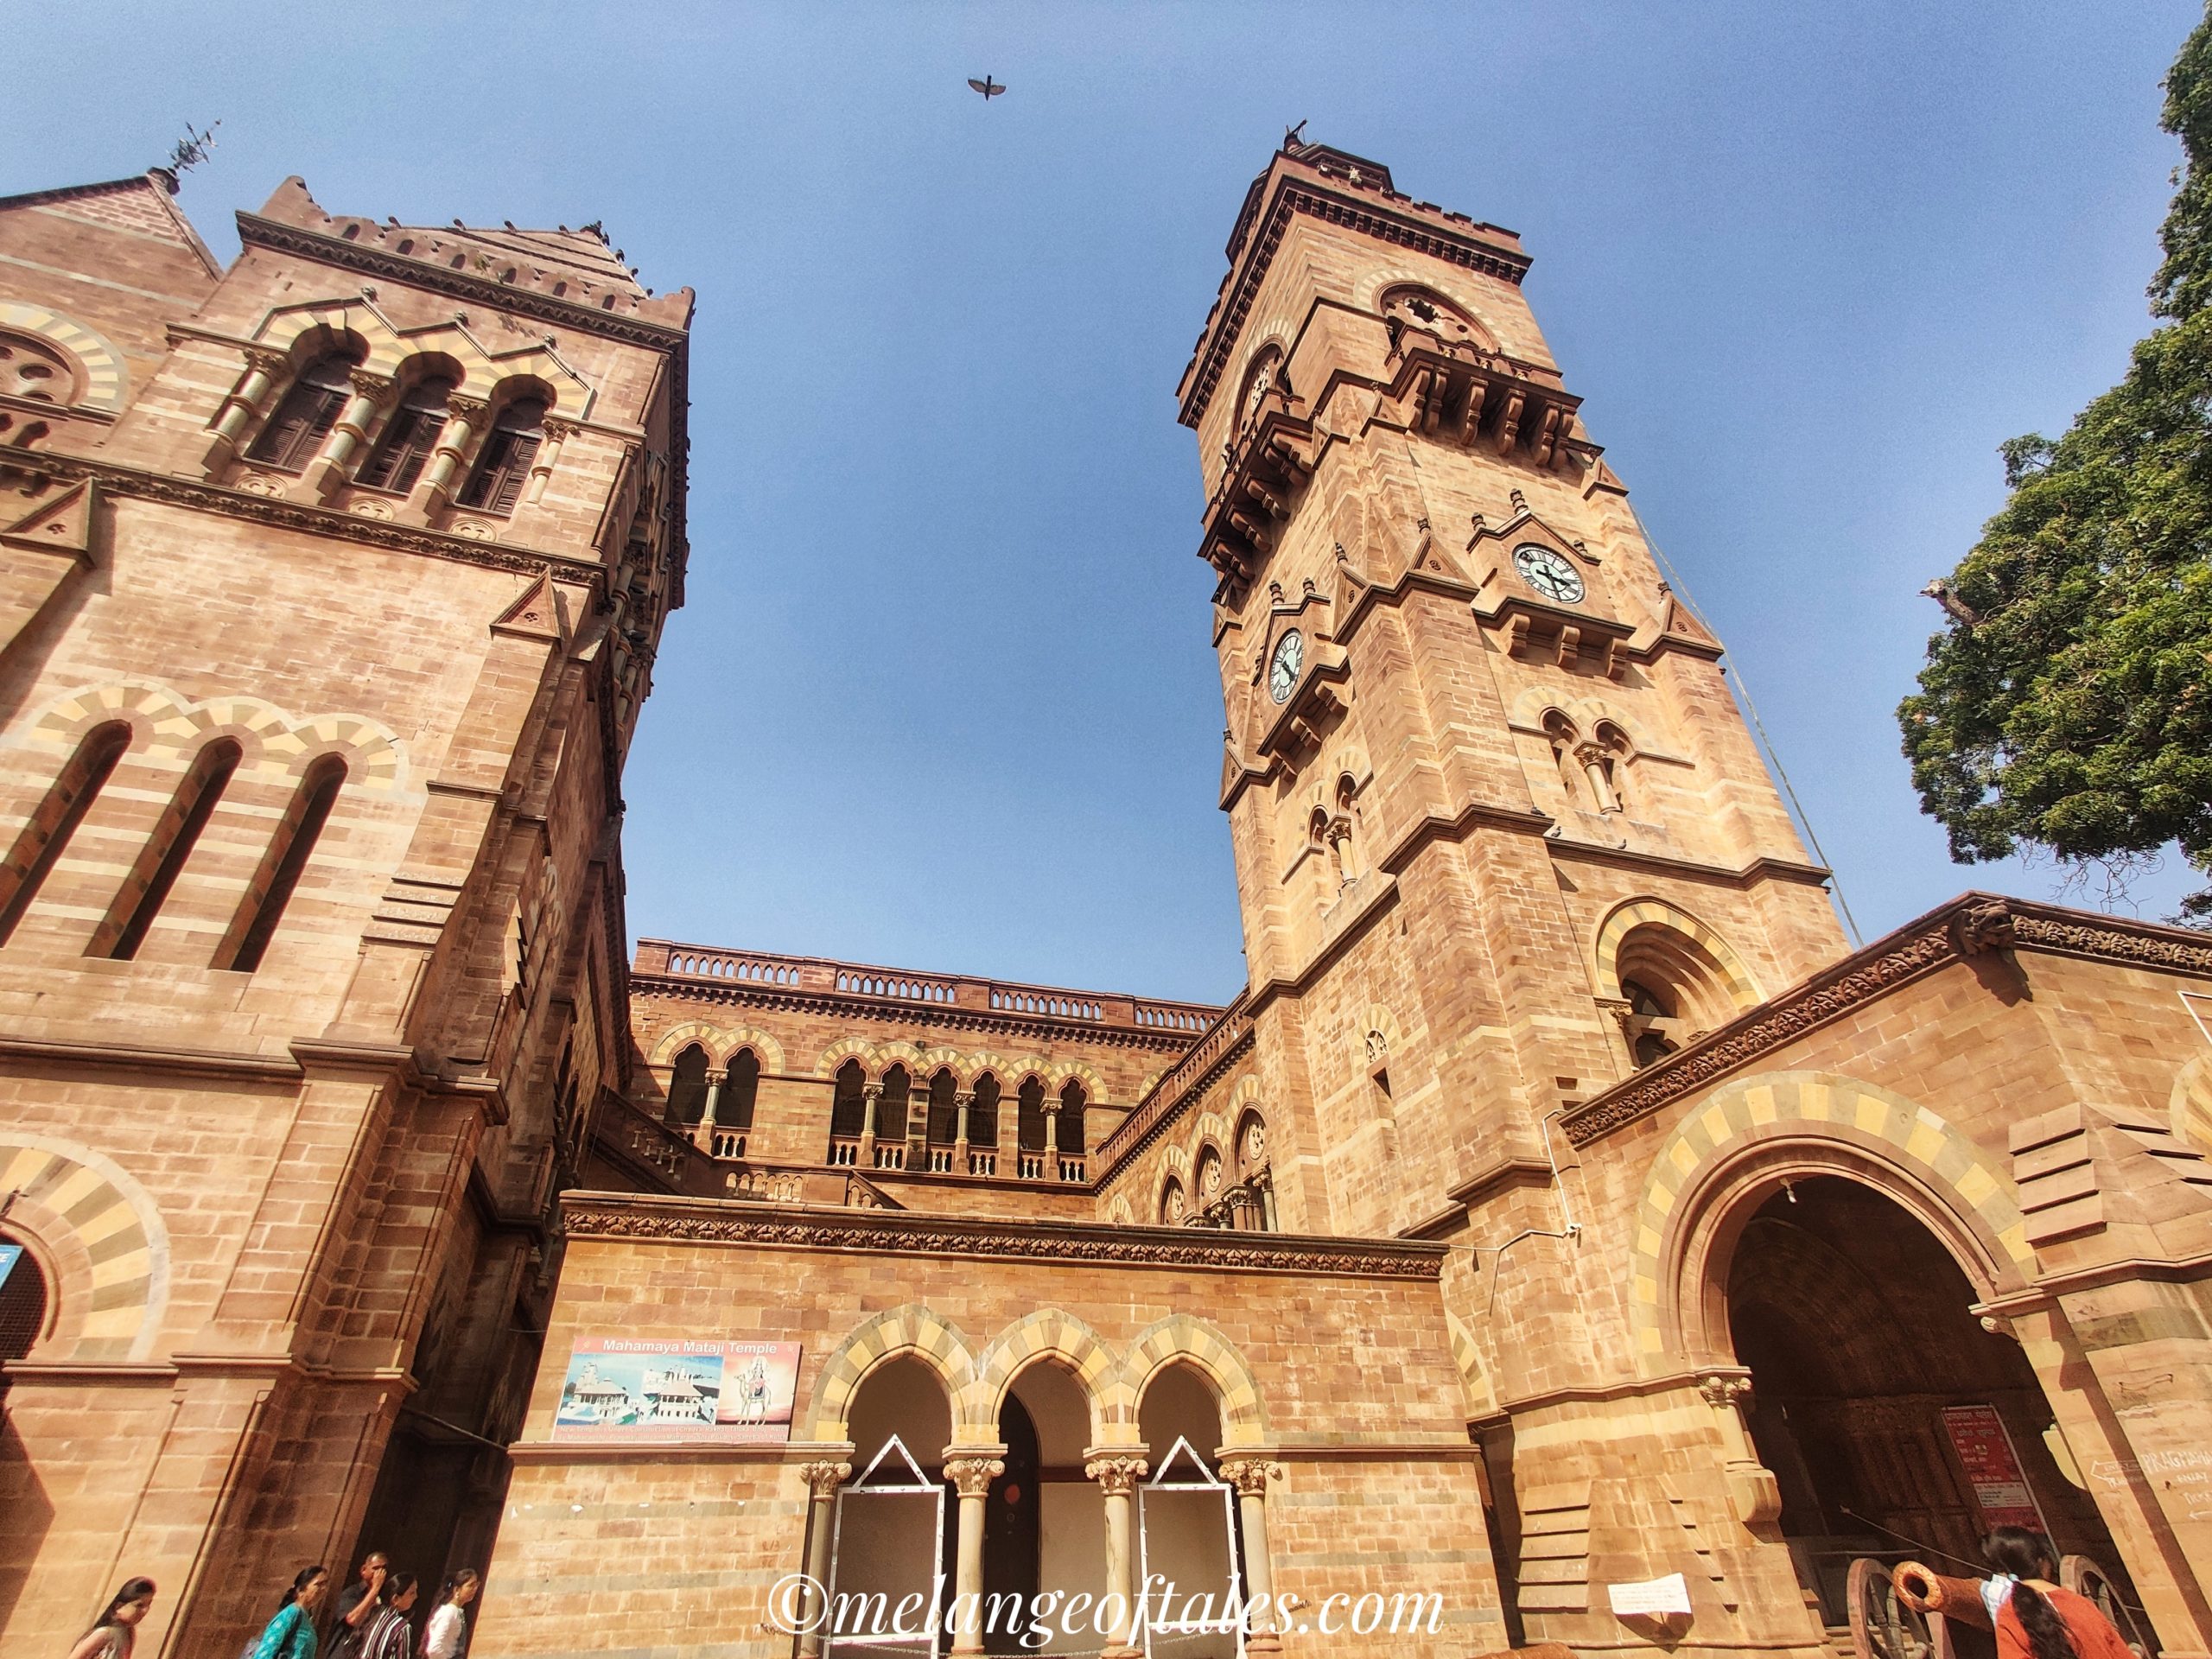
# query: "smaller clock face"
1282, 672
1548, 572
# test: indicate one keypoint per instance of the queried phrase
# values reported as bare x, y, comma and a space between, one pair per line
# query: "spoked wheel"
1882, 1627
2081, 1574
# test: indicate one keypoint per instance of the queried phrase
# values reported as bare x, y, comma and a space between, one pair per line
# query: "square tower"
1501, 836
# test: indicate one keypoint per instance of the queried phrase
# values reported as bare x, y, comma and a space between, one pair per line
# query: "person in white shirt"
447, 1633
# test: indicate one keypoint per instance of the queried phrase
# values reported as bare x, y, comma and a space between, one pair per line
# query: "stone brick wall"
294, 1222
1333, 1361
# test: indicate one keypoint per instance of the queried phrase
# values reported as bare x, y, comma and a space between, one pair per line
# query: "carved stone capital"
559, 430
972, 1477
1721, 1392
823, 1479
268, 361
1119, 1476
471, 409
374, 387
1250, 1476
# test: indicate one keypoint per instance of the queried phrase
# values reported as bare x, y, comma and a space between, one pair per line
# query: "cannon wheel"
2082, 1574
1882, 1627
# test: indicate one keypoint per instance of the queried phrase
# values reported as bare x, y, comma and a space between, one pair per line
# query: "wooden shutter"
496, 485
310, 409
407, 442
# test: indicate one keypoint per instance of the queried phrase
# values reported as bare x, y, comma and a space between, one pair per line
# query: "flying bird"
990, 88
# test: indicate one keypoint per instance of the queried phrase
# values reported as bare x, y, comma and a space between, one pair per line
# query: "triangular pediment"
62, 523
536, 613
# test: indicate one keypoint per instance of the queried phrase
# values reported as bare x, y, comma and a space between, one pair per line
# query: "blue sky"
942, 696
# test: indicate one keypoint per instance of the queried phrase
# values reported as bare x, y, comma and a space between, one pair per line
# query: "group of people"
372, 1619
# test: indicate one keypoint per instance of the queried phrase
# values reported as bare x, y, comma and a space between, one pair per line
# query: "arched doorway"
1045, 1519
1186, 1517
1894, 1424
894, 1528
22, 1302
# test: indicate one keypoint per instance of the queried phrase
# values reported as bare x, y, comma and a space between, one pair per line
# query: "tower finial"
1293, 137
186, 153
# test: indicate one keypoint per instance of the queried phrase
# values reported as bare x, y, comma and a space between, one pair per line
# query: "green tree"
2068, 705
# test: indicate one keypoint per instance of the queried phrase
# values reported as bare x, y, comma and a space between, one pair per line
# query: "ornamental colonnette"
1561, 1221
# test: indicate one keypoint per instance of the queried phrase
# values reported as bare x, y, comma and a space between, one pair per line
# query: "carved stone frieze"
273, 510
1978, 923
907, 1234
1777, 1023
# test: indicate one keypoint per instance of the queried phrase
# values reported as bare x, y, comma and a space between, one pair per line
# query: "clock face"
1548, 573
1282, 672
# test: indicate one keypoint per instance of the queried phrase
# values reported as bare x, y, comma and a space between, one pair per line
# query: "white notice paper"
1653, 1597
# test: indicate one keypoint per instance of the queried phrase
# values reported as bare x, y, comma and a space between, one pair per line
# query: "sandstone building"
1560, 1208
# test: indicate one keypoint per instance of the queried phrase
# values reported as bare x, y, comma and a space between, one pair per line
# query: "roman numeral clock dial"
1282, 670
1548, 572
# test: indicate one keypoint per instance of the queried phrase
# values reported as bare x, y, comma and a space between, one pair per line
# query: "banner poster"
622, 1391
1978, 1435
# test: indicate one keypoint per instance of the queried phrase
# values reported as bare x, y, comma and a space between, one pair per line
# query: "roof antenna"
1292, 137
188, 153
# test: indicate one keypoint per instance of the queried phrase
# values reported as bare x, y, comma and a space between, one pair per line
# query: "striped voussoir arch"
176, 727
720, 1042
105, 375
1742, 990
1810, 1105
1180, 1338
910, 1329
1047, 1333
105, 1237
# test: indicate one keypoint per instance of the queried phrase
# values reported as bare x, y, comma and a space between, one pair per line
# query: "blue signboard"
8, 1253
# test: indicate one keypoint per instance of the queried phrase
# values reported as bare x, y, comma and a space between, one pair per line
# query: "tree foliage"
2068, 706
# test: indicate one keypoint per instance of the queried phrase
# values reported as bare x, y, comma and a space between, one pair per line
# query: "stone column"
822, 1480
465, 418
962, 1103
971, 1470
327, 470
263, 368
1118, 1473
1250, 1476
1592, 758
871, 1103
556, 433
1051, 1138
706, 1141
1753, 1492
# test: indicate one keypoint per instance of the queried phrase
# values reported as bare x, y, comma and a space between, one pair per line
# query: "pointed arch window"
687, 1088
1029, 1116
849, 1104
891, 1105
40, 844
944, 1109
409, 436
984, 1113
1072, 1102
741, 1092
291, 436
502, 468
282, 866
144, 891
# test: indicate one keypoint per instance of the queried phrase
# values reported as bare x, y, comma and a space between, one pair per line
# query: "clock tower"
1501, 836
